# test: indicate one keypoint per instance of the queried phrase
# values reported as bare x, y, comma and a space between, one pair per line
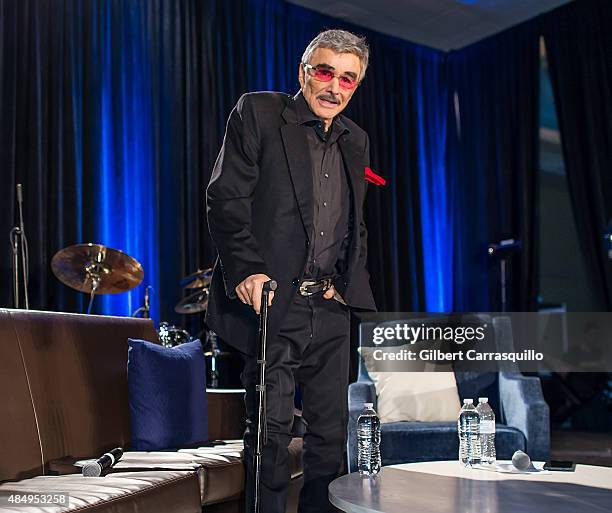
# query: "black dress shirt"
331, 194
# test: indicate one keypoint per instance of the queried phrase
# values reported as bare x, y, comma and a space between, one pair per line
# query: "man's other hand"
249, 291
329, 293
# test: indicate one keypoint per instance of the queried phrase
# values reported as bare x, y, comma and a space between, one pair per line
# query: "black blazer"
260, 214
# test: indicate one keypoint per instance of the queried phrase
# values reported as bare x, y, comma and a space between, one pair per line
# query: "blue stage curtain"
493, 164
106, 121
121, 136
113, 113
41, 146
578, 41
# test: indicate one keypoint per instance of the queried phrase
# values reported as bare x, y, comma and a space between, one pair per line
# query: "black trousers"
312, 349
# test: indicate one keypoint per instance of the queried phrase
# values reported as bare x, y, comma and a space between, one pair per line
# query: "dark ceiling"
441, 24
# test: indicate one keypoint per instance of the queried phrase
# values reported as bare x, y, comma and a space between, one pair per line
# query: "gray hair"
340, 41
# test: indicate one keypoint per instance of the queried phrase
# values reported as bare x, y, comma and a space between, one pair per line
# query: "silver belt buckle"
303, 286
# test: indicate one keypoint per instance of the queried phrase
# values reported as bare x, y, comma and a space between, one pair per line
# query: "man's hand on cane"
249, 291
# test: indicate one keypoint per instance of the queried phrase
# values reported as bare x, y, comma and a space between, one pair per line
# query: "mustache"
330, 98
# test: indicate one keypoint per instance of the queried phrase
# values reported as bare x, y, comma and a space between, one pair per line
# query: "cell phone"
560, 466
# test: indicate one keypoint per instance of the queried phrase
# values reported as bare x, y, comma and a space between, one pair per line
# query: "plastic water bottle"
368, 441
469, 434
487, 431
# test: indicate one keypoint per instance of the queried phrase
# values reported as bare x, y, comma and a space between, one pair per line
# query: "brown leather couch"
63, 390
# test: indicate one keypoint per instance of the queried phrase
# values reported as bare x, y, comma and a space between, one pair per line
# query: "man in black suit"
285, 202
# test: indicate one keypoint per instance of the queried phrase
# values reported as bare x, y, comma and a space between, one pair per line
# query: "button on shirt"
330, 190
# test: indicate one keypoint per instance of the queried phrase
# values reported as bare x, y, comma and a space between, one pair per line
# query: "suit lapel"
352, 156
353, 162
300, 167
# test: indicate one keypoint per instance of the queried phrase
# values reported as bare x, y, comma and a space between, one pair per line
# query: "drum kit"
197, 284
95, 269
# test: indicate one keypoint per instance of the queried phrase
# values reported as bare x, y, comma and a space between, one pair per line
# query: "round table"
447, 487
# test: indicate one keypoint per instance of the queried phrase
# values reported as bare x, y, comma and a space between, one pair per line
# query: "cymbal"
197, 280
194, 303
78, 266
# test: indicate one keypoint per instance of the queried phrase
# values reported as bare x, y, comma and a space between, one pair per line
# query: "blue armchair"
522, 415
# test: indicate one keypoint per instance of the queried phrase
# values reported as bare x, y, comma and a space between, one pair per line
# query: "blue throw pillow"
167, 394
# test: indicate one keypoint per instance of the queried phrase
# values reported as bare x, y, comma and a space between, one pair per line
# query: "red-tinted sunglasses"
326, 74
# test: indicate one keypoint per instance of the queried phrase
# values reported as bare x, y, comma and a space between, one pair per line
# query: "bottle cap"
483, 399
368, 405
468, 401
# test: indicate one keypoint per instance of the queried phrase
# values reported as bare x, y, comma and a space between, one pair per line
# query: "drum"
171, 336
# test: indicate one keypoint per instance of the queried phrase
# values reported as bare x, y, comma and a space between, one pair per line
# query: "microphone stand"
146, 309
502, 251
14, 236
19, 247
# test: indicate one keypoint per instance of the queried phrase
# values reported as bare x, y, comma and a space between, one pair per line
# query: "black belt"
310, 287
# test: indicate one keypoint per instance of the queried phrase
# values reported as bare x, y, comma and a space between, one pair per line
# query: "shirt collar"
306, 117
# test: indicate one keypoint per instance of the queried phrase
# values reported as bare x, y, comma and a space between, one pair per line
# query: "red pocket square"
372, 177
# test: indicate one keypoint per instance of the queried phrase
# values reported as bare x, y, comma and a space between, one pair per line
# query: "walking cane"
262, 432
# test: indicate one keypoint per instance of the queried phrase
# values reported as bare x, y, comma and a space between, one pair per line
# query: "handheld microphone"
107, 460
147, 302
20, 203
504, 248
521, 460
